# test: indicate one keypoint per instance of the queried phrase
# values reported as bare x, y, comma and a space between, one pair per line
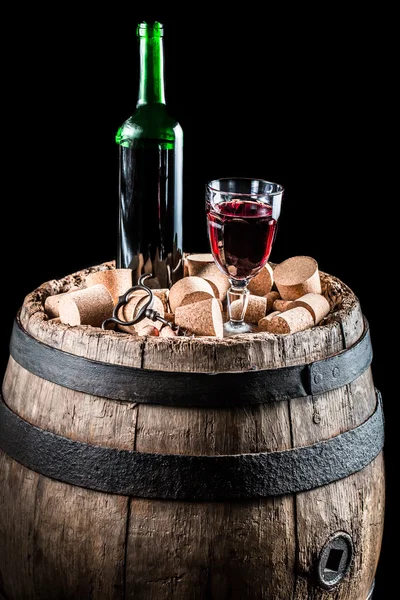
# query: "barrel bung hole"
334, 560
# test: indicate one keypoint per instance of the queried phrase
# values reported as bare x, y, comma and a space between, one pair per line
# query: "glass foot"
232, 328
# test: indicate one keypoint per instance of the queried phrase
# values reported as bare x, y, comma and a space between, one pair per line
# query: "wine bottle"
151, 174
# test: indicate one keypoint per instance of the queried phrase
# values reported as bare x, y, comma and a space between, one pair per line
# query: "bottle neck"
151, 84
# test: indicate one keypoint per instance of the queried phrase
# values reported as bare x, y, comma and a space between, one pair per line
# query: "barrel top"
340, 329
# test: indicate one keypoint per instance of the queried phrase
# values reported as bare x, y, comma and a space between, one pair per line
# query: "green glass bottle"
151, 174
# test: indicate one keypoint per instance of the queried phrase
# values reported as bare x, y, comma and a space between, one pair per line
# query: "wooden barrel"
190, 468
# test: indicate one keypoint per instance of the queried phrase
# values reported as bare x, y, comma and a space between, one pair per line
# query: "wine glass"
242, 216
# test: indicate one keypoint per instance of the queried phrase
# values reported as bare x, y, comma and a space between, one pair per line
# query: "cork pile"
283, 300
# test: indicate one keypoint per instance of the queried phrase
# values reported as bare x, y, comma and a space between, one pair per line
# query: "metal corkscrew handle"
144, 311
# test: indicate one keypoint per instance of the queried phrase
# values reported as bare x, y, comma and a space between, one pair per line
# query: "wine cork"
153, 283
131, 309
51, 304
203, 265
185, 264
197, 297
317, 304
290, 321
160, 271
55, 320
282, 305
262, 283
117, 281
263, 323
148, 266
137, 266
201, 318
162, 294
167, 332
256, 309
186, 286
296, 277
149, 330
89, 306
271, 297
194, 297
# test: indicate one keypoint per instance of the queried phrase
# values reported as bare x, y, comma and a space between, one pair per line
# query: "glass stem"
238, 298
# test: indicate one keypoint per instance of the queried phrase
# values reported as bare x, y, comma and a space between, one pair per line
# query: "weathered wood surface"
63, 542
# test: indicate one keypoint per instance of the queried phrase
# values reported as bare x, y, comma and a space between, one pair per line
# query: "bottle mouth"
152, 29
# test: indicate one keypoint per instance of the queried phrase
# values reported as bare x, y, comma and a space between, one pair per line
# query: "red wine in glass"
242, 215
241, 234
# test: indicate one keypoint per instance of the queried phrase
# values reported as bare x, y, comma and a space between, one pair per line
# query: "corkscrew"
143, 312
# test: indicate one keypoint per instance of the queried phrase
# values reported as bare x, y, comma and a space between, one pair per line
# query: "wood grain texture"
17, 518
61, 541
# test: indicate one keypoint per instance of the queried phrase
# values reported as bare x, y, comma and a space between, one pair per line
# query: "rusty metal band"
371, 591
196, 478
118, 382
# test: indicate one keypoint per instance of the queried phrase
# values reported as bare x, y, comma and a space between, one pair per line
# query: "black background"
293, 97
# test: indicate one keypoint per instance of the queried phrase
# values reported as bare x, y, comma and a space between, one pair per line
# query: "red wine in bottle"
151, 174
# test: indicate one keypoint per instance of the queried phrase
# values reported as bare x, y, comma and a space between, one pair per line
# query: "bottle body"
150, 181
150, 204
